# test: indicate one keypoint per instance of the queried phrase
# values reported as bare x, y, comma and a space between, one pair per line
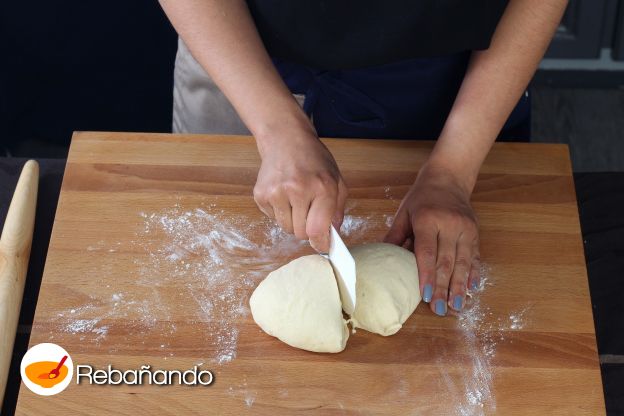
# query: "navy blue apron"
404, 100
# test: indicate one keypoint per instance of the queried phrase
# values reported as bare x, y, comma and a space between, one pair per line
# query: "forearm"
493, 84
223, 38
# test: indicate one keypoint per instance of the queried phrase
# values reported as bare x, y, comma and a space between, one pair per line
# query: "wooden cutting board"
157, 246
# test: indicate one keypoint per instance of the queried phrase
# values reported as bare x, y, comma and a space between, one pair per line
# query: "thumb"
400, 229
340, 207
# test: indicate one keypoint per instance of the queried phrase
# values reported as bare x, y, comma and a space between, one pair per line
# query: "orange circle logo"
47, 369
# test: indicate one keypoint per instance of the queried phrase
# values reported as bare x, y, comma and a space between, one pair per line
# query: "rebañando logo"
47, 369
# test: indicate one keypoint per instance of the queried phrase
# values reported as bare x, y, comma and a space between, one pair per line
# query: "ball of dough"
299, 303
387, 289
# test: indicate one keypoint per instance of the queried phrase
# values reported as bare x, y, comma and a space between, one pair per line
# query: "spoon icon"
54, 373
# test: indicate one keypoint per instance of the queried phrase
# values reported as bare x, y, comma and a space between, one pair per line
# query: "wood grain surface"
131, 280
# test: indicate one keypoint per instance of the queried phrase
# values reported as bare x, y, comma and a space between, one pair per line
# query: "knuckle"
476, 252
293, 186
475, 221
476, 261
474, 274
273, 193
325, 188
458, 281
426, 254
426, 215
327, 178
458, 287
462, 263
258, 194
466, 223
441, 290
471, 227
320, 191
445, 265
259, 201
264, 208
456, 219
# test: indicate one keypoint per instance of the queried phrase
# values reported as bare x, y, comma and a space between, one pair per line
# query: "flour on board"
481, 331
211, 256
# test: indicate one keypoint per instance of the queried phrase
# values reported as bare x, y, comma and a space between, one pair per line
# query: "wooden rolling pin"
15, 243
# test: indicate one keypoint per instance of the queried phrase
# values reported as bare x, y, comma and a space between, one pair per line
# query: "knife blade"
344, 268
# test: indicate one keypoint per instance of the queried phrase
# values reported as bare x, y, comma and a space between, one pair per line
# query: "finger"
474, 280
263, 205
281, 210
299, 214
400, 230
461, 271
283, 215
340, 205
318, 221
425, 248
447, 246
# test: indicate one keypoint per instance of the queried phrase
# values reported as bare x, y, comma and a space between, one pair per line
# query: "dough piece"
387, 287
299, 303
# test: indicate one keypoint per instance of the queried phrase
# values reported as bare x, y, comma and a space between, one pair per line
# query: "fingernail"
440, 307
475, 284
428, 293
458, 303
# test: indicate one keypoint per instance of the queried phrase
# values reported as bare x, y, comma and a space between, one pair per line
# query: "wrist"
462, 175
282, 127
463, 146
459, 153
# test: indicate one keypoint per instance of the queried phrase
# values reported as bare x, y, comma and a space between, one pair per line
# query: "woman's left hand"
437, 215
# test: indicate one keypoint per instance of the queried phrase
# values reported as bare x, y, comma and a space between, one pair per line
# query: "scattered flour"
216, 259
212, 255
481, 331
517, 320
388, 220
249, 399
352, 224
388, 192
242, 390
216, 264
82, 325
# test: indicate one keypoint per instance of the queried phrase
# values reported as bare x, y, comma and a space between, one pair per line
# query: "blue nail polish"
428, 293
474, 285
457, 303
440, 307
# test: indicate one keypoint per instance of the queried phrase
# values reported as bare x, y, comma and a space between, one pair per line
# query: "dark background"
81, 65
76, 65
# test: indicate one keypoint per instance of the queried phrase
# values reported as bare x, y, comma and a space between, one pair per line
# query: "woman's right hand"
300, 186
299, 183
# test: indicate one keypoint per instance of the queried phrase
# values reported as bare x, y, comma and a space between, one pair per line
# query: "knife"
344, 268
